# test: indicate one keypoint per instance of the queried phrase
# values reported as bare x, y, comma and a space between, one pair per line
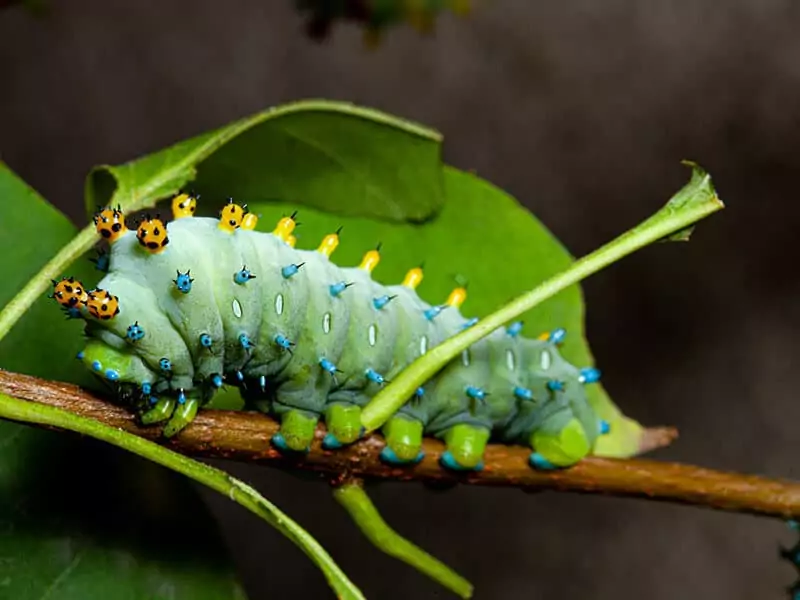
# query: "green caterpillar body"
186, 306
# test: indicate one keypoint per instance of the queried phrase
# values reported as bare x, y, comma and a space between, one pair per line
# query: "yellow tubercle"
291, 241
231, 215
285, 227
370, 260
183, 205
69, 292
102, 305
152, 235
329, 244
249, 222
413, 278
110, 223
543, 337
457, 297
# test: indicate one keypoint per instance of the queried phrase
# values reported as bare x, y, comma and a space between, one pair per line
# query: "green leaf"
78, 519
44, 342
328, 155
487, 237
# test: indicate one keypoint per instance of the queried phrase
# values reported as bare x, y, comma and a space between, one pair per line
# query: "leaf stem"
694, 202
356, 502
236, 490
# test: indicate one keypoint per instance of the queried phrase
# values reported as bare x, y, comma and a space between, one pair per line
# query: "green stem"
236, 490
38, 284
354, 499
694, 202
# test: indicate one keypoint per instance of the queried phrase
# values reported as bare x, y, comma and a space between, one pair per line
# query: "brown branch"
245, 436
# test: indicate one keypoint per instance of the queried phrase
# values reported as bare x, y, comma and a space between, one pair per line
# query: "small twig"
351, 496
245, 436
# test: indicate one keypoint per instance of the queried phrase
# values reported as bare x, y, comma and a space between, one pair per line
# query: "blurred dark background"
580, 109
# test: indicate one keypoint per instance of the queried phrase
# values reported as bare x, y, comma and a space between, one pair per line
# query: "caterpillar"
189, 306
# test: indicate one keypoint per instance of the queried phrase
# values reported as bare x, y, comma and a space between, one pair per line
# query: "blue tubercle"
72, 312
389, 456
470, 322
112, 375
537, 461
101, 261
449, 461
153, 400
97, 365
290, 270
382, 301
283, 342
262, 383
419, 392
330, 442
604, 427
239, 376
523, 393
181, 397
216, 380
338, 287
433, 312
135, 332
242, 276
514, 329
183, 282
245, 342
147, 388
557, 336
165, 365
205, 340
80, 355
475, 393
375, 377
589, 375
327, 366
554, 385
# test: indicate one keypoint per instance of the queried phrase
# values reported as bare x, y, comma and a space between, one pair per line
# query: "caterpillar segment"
204, 301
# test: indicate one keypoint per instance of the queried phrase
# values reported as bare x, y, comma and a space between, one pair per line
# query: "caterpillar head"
113, 364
